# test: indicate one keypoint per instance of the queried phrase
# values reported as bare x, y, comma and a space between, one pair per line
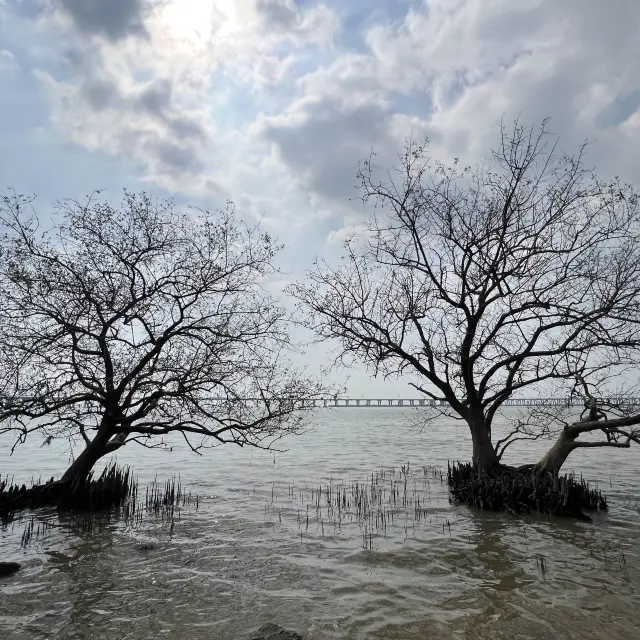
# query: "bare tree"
490, 282
125, 325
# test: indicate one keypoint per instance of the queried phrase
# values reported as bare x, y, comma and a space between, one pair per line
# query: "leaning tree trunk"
556, 456
70, 491
96, 449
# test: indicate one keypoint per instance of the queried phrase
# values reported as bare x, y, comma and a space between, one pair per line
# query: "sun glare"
189, 19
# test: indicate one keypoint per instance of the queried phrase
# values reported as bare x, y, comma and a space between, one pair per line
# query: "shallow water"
247, 555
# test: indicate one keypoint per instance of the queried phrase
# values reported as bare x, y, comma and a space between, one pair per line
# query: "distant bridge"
343, 403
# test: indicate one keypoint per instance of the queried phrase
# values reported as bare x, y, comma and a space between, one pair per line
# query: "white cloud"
351, 228
452, 70
8, 62
271, 103
479, 60
152, 97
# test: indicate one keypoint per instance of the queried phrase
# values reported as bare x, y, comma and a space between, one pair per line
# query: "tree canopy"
126, 324
515, 275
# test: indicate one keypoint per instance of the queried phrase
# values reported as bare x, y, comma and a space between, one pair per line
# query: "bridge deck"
424, 402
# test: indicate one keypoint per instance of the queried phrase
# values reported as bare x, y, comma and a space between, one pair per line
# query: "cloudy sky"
272, 102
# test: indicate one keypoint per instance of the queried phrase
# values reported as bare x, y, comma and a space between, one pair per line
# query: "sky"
271, 103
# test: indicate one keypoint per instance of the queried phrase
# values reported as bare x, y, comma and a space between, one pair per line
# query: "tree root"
523, 490
81, 494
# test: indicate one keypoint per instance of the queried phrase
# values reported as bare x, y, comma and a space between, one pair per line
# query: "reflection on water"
249, 554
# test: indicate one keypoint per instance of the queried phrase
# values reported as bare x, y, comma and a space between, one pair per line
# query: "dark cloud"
27, 8
100, 94
185, 129
301, 20
115, 19
455, 78
153, 103
278, 13
327, 147
173, 157
146, 125
156, 99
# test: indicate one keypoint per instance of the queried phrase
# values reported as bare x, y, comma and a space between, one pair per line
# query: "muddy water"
248, 555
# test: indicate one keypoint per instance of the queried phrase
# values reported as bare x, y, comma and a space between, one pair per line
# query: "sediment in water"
507, 489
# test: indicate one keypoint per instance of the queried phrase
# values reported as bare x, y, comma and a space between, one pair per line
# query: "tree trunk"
484, 453
556, 456
96, 449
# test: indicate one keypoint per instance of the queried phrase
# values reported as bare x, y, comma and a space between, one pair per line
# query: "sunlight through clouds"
190, 20
273, 102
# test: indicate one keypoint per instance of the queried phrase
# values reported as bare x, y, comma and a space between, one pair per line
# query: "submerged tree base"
114, 486
522, 491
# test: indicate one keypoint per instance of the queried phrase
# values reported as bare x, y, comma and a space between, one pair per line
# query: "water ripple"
249, 555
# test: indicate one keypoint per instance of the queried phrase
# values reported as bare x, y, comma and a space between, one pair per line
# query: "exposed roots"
523, 490
111, 489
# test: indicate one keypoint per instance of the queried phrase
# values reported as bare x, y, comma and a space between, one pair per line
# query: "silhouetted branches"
487, 283
125, 325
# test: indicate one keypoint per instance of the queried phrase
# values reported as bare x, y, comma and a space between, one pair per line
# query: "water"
247, 556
